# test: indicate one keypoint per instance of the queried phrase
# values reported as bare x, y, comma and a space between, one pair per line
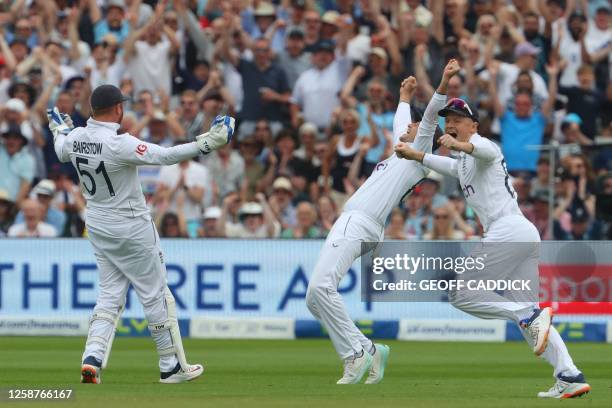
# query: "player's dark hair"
102, 111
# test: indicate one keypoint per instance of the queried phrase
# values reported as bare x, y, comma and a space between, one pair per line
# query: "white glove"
219, 135
57, 123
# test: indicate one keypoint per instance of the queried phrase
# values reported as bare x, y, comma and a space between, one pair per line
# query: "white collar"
109, 125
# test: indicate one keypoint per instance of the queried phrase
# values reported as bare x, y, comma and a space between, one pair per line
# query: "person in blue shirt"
523, 126
16, 164
114, 22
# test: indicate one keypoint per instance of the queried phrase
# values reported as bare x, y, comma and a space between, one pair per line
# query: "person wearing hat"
316, 92
210, 225
305, 227
44, 192
17, 165
256, 220
523, 125
281, 202
263, 22
113, 22
484, 180
293, 59
362, 220
120, 227
572, 134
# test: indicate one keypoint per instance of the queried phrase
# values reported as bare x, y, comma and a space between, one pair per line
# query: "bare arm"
419, 70
95, 14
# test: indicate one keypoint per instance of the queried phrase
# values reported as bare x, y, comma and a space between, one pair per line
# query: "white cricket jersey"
107, 165
394, 178
483, 178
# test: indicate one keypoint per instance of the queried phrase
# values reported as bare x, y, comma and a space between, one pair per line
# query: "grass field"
301, 374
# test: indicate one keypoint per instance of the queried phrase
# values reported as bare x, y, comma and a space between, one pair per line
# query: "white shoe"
90, 374
538, 327
180, 376
355, 368
377, 371
566, 389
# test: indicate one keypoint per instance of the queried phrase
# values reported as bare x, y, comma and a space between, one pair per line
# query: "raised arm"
403, 116
553, 86
498, 108
427, 128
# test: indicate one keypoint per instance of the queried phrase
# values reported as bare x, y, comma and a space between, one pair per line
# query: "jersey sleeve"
136, 152
401, 120
441, 164
59, 145
484, 149
424, 137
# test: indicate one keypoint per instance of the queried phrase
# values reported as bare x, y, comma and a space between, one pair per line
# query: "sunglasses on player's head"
458, 103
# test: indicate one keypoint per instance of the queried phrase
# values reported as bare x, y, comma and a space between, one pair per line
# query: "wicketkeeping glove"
59, 123
220, 134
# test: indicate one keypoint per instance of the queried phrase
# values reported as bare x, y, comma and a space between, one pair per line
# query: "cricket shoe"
178, 375
91, 371
538, 326
567, 387
356, 367
377, 371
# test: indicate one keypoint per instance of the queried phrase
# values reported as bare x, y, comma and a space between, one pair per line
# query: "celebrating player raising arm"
123, 236
363, 220
483, 177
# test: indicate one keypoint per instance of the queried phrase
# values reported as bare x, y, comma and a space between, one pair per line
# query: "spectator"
540, 184
16, 165
6, 213
265, 86
280, 202
585, 101
187, 182
294, 60
256, 221
253, 170
539, 215
443, 227
599, 44
306, 217
582, 228
210, 225
316, 90
172, 226
226, 168
148, 53
44, 193
69, 199
571, 48
524, 126
328, 213
114, 22
395, 229
32, 225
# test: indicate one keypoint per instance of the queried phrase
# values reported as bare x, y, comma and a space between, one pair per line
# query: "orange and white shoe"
567, 387
91, 371
538, 327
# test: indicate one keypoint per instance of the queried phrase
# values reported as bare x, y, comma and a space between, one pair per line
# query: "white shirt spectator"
150, 66
317, 91
240, 231
43, 230
196, 175
506, 78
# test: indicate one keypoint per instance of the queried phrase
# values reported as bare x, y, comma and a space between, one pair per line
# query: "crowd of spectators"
314, 85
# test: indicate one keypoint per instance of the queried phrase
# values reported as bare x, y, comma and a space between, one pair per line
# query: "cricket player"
363, 220
120, 228
484, 179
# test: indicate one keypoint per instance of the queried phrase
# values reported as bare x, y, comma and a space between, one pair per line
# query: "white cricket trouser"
341, 248
516, 259
127, 252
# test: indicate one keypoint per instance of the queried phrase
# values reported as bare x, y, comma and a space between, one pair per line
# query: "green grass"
301, 374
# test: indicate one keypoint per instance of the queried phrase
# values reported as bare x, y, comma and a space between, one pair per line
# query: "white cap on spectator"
308, 127
422, 20
44, 187
116, 3
16, 105
282, 183
212, 213
330, 17
380, 52
264, 9
4, 196
250, 208
159, 115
